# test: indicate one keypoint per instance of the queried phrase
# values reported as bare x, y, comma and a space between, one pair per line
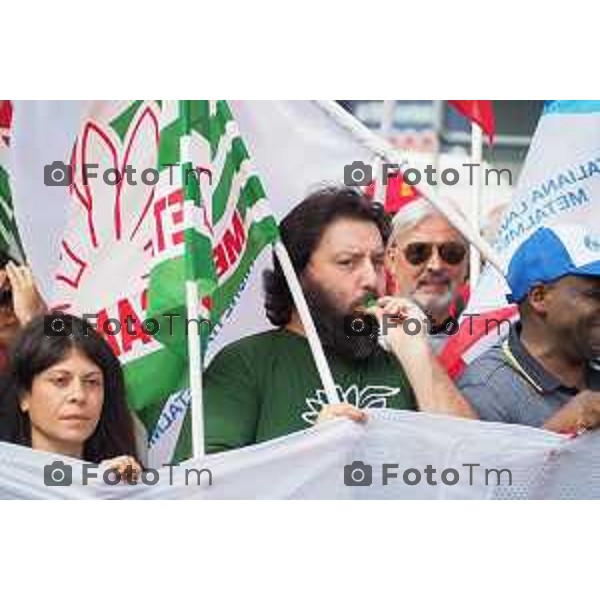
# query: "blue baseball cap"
551, 253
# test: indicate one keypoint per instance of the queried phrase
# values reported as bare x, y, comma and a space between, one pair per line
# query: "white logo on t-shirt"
371, 396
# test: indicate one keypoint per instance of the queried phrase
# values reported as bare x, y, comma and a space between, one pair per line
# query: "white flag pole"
387, 118
307, 322
195, 368
475, 212
387, 121
192, 305
381, 148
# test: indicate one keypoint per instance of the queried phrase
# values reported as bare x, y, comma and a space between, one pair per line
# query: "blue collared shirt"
508, 384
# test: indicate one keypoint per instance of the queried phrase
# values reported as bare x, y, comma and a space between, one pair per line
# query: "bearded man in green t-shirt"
267, 385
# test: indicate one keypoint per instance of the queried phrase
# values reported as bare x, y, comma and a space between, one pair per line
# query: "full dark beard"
329, 322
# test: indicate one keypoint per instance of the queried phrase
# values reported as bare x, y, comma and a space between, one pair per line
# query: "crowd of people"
66, 395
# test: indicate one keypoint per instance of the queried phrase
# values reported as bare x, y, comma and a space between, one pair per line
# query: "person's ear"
24, 403
390, 256
538, 298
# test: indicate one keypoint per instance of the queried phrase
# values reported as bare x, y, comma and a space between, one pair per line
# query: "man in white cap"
543, 375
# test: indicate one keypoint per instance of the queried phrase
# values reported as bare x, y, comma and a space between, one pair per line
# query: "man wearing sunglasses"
427, 259
544, 374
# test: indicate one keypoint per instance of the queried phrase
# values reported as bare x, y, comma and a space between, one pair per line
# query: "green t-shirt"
267, 385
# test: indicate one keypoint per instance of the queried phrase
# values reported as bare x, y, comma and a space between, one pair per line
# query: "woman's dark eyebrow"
92, 373
61, 371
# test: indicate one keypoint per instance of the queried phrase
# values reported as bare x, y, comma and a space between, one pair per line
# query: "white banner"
396, 454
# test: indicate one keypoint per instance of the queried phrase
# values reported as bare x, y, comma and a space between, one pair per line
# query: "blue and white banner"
559, 183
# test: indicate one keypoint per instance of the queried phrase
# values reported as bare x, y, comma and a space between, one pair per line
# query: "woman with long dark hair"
67, 394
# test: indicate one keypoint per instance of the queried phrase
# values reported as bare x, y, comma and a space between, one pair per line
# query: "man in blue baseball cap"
544, 374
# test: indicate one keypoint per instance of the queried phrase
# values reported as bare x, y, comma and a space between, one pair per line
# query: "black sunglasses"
452, 253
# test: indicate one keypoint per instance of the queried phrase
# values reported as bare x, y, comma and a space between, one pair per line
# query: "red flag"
5, 120
5, 113
397, 193
477, 332
478, 111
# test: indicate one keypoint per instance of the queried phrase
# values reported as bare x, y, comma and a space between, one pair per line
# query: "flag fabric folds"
226, 218
478, 111
10, 241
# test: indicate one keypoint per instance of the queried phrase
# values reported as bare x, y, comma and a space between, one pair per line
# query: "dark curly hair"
35, 351
301, 231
